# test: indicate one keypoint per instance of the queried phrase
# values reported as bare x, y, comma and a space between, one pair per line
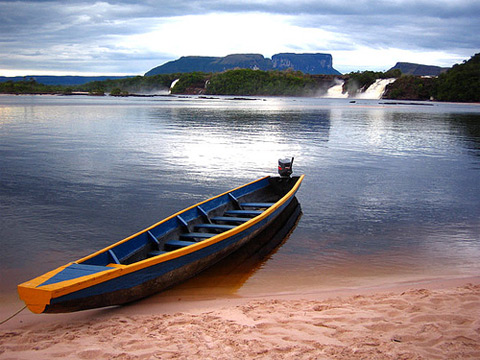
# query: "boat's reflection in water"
227, 276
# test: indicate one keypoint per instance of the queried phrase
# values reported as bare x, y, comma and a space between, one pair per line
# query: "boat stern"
35, 299
39, 293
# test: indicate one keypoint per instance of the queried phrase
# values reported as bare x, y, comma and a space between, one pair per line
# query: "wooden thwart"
177, 244
243, 212
197, 235
230, 219
258, 205
223, 227
156, 253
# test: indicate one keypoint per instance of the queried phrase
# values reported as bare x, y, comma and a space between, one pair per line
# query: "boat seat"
230, 219
258, 205
156, 253
114, 257
243, 212
196, 235
177, 244
222, 227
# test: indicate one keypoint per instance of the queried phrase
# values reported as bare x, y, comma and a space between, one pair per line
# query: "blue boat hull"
154, 279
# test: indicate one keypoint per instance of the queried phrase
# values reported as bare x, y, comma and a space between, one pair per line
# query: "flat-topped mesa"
314, 64
419, 69
306, 63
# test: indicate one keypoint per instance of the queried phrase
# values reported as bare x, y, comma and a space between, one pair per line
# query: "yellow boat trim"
35, 295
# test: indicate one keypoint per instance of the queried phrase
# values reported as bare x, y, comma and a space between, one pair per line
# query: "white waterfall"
173, 84
376, 90
336, 91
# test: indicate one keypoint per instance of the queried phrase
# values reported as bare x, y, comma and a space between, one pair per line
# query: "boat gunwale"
69, 286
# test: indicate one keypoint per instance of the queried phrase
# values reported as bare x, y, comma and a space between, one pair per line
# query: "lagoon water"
392, 190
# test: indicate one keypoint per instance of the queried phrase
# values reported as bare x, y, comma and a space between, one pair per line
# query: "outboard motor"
285, 167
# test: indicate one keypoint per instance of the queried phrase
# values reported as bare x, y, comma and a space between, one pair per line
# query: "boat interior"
195, 224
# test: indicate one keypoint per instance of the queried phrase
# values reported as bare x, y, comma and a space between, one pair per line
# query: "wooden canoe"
166, 253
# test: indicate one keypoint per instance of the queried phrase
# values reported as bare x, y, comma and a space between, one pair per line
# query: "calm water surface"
392, 191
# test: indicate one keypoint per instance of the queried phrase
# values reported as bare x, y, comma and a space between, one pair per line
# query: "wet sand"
429, 319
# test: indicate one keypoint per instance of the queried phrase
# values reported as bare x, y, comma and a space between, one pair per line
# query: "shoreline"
389, 101
420, 319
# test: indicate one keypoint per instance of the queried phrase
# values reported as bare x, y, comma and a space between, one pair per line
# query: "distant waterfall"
173, 84
376, 90
336, 91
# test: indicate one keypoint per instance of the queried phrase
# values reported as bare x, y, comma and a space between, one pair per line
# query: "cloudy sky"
131, 37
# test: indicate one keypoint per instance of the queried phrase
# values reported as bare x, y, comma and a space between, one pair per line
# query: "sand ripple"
415, 324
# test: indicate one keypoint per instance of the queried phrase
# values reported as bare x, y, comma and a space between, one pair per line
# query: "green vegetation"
245, 82
410, 87
96, 92
461, 82
30, 86
119, 92
256, 82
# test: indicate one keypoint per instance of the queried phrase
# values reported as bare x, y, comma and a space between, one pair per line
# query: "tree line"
460, 83
254, 82
29, 86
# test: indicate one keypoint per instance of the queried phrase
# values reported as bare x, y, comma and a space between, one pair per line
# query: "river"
391, 193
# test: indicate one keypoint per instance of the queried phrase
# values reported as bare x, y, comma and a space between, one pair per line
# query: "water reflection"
242, 142
467, 126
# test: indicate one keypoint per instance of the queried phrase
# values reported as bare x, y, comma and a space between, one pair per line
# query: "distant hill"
419, 69
306, 63
61, 80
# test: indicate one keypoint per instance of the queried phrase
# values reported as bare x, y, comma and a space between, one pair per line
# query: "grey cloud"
404, 30
60, 33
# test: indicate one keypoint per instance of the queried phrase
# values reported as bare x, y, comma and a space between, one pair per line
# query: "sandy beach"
434, 319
